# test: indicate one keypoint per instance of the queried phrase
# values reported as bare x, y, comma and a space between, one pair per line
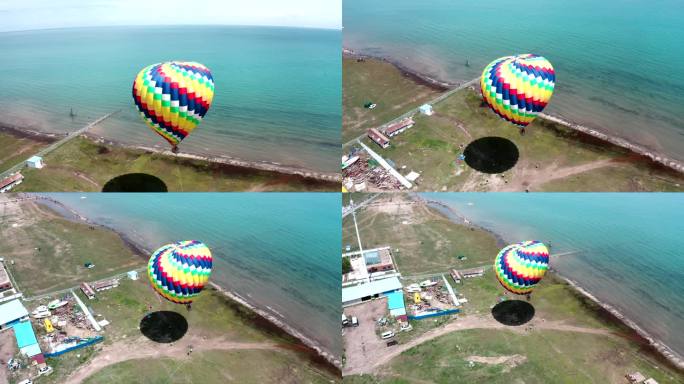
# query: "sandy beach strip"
49, 137
441, 85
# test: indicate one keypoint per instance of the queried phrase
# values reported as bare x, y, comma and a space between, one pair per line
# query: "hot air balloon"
179, 271
518, 87
173, 97
519, 267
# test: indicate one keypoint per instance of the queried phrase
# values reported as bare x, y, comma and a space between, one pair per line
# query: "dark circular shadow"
491, 154
513, 312
164, 326
135, 182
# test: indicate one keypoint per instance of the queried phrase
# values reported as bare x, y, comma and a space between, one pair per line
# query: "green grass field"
14, 149
49, 252
549, 153
383, 84
547, 357
428, 242
85, 166
213, 367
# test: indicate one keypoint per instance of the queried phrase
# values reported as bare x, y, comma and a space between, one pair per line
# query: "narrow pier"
57, 144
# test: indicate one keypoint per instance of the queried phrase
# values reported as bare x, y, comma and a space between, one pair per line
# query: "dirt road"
372, 362
144, 348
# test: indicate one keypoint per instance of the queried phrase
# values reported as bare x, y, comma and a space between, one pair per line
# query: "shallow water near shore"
275, 250
623, 248
614, 60
277, 95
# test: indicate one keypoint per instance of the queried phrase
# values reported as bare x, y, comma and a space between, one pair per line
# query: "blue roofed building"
395, 303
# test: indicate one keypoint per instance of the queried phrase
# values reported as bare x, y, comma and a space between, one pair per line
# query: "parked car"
45, 371
382, 321
354, 321
27, 381
387, 335
345, 320
392, 342
406, 327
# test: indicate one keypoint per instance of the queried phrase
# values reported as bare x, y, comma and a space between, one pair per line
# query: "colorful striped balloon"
517, 88
519, 267
173, 97
179, 271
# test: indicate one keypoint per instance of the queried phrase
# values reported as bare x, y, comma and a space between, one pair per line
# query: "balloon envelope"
518, 87
173, 97
179, 271
519, 267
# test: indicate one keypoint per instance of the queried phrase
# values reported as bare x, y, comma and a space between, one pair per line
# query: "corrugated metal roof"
395, 300
369, 289
12, 311
23, 331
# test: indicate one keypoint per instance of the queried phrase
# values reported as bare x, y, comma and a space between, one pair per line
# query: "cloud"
42, 14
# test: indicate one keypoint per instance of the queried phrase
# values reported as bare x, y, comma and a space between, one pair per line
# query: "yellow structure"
48, 326
416, 298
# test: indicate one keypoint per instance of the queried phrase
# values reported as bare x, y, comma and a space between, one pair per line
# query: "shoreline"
658, 347
276, 168
437, 84
317, 353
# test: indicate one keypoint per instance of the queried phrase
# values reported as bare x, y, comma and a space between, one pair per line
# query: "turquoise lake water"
278, 90
617, 62
278, 251
628, 246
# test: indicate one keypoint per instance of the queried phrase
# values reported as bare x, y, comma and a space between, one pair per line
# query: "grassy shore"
84, 165
231, 341
552, 157
586, 345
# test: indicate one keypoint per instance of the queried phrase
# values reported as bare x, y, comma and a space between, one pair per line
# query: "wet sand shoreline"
604, 310
641, 154
261, 318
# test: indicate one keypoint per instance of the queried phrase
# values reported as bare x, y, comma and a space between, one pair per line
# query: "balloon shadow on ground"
513, 312
135, 182
164, 326
491, 154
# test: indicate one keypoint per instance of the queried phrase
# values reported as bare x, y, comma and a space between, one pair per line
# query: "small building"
378, 260
11, 312
399, 127
378, 138
395, 304
456, 276
472, 272
10, 182
5, 282
133, 275
426, 109
35, 162
368, 291
88, 290
104, 285
636, 378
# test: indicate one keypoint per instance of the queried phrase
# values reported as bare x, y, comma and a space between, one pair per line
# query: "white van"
387, 335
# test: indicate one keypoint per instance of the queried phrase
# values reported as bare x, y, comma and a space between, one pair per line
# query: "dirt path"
376, 361
525, 176
528, 177
144, 348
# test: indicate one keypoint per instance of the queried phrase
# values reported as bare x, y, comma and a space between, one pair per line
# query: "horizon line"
175, 25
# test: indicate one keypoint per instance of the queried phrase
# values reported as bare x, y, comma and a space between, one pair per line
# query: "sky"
17, 15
